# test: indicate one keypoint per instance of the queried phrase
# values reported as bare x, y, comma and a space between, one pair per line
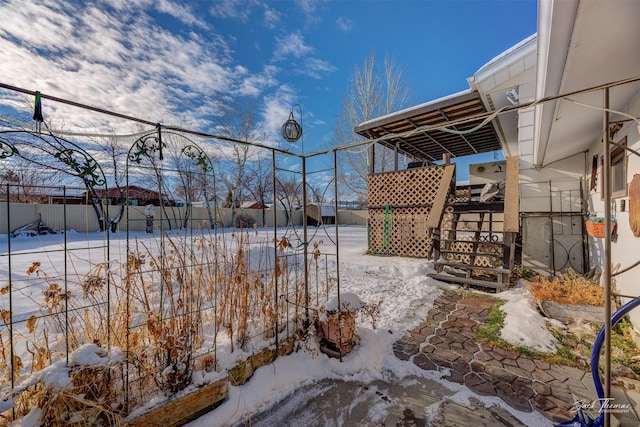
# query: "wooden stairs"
474, 242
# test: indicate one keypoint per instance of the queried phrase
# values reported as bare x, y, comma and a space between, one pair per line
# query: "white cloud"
275, 112
28, 22
344, 24
117, 58
241, 10
255, 84
180, 11
271, 17
236, 9
291, 45
310, 10
308, 6
315, 67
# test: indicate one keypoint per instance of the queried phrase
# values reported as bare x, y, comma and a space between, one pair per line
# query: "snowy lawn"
407, 294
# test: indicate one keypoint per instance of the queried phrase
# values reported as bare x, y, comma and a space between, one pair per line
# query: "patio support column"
606, 182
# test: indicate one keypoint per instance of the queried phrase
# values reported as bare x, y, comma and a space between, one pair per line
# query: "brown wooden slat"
462, 266
421, 145
466, 281
183, 409
435, 216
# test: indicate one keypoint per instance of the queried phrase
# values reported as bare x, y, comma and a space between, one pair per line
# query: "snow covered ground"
293, 381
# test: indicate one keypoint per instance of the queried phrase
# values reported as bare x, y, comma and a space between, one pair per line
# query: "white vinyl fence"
83, 217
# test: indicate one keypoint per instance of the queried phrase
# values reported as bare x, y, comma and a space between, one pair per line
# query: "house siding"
551, 238
624, 246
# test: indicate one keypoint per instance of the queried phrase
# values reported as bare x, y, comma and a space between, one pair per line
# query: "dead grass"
89, 398
568, 288
164, 307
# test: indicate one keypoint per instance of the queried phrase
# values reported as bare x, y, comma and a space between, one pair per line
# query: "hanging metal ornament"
291, 130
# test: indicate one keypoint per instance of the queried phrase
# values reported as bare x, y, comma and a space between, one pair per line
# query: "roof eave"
436, 104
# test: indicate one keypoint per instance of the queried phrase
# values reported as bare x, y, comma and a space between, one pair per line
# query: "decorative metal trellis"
174, 301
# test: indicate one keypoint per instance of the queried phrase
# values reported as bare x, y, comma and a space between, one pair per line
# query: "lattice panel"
408, 236
488, 261
411, 187
461, 248
483, 248
463, 195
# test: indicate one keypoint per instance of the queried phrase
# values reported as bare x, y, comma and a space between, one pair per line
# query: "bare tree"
116, 153
195, 178
374, 90
63, 157
238, 121
261, 183
289, 194
317, 194
21, 181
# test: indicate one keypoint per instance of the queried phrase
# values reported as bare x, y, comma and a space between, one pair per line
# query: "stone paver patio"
447, 340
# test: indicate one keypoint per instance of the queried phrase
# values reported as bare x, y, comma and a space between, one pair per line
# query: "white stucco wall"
550, 188
625, 248
554, 188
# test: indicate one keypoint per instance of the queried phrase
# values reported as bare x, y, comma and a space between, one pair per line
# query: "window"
618, 178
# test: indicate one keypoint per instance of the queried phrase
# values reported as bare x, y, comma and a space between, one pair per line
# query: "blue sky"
168, 61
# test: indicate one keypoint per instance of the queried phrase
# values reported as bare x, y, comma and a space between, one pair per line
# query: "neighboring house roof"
432, 144
252, 205
132, 192
58, 191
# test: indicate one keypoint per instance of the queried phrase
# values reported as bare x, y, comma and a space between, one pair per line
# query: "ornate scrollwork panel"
145, 147
82, 164
201, 159
6, 149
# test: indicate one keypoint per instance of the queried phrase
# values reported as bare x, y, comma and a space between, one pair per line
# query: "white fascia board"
502, 62
545, 9
499, 73
556, 19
